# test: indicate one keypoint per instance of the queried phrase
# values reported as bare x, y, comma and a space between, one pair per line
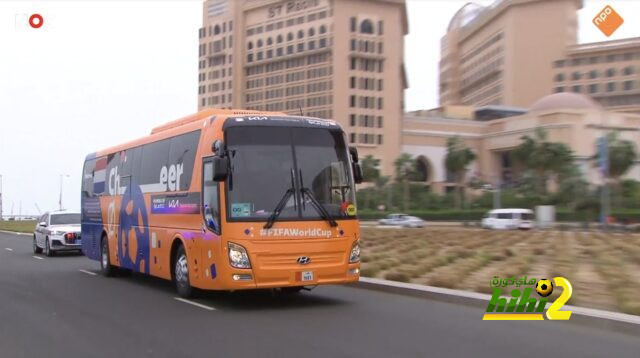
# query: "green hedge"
562, 214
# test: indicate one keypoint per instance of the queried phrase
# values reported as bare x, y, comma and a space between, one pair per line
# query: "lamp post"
62, 176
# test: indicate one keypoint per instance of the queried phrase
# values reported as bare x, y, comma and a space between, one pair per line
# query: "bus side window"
87, 178
211, 202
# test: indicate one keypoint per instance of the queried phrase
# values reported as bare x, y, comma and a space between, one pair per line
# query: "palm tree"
542, 157
405, 171
370, 173
621, 156
457, 160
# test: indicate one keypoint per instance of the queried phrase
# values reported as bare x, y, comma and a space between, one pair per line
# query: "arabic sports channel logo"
521, 306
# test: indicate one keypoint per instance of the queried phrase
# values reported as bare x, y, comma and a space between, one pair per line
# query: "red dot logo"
36, 21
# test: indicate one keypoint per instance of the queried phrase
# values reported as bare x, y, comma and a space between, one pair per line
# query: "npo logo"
608, 20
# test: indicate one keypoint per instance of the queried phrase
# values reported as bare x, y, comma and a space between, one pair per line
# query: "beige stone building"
570, 118
339, 59
609, 72
516, 51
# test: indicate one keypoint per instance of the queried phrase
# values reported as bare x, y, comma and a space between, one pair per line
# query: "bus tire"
106, 268
181, 273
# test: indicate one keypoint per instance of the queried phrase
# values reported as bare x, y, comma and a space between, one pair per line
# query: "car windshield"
527, 216
65, 219
268, 161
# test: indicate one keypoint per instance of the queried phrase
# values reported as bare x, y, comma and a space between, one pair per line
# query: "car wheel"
105, 260
36, 249
181, 274
47, 249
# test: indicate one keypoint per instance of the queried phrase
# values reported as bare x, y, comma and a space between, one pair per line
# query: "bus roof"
210, 112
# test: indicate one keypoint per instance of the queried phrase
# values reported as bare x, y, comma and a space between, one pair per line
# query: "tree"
544, 158
370, 171
405, 171
622, 154
457, 160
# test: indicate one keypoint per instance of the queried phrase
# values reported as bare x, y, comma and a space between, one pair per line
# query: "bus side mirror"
354, 154
357, 173
220, 168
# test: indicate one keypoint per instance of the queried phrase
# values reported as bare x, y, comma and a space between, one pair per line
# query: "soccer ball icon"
544, 287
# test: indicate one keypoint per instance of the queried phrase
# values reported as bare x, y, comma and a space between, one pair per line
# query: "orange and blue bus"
227, 200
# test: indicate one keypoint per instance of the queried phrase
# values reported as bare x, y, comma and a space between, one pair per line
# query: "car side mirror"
354, 154
42, 223
357, 173
220, 168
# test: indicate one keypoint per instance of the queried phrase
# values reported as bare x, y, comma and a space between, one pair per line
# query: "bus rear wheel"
181, 273
105, 261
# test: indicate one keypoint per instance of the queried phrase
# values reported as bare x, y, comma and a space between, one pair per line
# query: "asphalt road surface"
62, 307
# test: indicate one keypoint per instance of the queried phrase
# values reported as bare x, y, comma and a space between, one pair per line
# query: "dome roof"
465, 15
565, 100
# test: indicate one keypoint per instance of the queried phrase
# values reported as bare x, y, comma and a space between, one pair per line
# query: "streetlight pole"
60, 198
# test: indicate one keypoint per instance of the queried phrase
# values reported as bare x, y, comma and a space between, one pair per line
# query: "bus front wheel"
181, 273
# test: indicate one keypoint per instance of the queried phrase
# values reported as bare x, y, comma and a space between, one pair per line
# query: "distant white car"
508, 219
57, 231
402, 220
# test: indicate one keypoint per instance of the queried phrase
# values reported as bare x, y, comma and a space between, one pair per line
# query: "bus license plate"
307, 275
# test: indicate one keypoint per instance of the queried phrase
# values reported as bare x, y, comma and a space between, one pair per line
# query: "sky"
101, 73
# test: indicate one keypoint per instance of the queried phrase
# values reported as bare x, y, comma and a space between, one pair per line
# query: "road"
49, 308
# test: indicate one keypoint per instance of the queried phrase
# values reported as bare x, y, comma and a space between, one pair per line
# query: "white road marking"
88, 272
38, 257
8, 249
208, 308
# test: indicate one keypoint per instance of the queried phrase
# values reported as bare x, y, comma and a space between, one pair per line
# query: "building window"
301, 47
353, 44
628, 85
353, 24
312, 45
379, 85
289, 49
380, 103
593, 88
379, 121
269, 53
352, 120
312, 32
559, 89
380, 28
300, 34
379, 138
593, 74
366, 27
577, 88
353, 82
611, 72
628, 71
576, 75
611, 86
269, 41
259, 43
249, 45
290, 36
216, 29
279, 52
279, 39
352, 101
559, 77
322, 43
559, 63
323, 29
353, 63
352, 136
250, 57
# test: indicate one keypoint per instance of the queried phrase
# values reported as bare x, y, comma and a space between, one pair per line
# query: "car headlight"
355, 252
238, 257
57, 233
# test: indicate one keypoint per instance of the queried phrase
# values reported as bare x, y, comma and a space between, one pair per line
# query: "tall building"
608, 72
339, 59
502, 54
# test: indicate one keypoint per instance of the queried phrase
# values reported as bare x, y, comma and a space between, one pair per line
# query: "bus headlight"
238, 257
355, 252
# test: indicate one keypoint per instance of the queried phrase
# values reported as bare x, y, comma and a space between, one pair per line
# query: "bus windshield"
266, 162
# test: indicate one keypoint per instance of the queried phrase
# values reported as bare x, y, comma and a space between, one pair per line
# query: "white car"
506, 219
402, 220
57, 231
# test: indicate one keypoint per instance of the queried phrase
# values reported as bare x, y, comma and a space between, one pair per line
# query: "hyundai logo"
303, 260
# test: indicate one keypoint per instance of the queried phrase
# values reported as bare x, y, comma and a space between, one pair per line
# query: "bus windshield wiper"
276, 212
318, 206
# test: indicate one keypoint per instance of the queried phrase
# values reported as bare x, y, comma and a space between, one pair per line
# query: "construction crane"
37, 207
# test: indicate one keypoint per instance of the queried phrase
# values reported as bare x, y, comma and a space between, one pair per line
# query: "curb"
15, 233
607, 320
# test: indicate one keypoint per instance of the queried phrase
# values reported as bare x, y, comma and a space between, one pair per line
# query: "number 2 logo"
553, 312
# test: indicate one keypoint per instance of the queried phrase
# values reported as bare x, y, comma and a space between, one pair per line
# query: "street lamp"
62, 176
